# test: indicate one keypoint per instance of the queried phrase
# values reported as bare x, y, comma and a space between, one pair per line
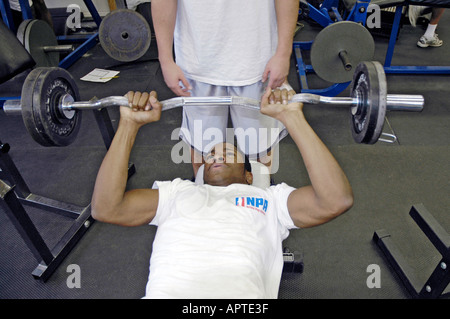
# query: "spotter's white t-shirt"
218, 242
225, 42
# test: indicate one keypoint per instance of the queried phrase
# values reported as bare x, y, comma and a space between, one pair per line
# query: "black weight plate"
370, 88
125, 35
347, 36
50, 87
26, 102
46, 87
36, 34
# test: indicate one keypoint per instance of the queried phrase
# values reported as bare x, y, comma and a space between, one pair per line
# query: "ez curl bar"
51, 109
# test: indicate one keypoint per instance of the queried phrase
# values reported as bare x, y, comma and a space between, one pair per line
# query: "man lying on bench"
222, 239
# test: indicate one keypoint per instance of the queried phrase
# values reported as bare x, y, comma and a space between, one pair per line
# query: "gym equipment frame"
88, 42
11, 200
323, 18
357, 14
389, 69
440, 278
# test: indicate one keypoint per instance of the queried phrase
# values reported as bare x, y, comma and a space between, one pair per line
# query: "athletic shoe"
430, 42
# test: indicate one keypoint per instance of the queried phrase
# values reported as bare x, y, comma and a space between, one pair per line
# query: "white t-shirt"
225, 42
218, 242
132, 4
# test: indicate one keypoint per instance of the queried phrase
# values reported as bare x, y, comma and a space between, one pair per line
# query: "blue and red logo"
257, 203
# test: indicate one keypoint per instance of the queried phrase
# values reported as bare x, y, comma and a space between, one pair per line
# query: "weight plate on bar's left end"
125, 35
347, 36
370, 88
36, 34
26, 103
42, 92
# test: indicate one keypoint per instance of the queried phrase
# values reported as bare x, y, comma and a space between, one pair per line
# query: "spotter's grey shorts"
205, 126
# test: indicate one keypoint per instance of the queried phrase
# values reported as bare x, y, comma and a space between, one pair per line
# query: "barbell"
51, 109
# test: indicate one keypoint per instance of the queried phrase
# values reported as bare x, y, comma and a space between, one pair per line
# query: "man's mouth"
217, 166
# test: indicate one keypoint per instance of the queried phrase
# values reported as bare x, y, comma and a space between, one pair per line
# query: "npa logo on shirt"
257, 203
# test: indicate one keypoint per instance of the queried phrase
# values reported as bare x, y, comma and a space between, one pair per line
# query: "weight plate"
42, 92
21, 30
124, 35
26, 102
35, 35
370, 88
341, 36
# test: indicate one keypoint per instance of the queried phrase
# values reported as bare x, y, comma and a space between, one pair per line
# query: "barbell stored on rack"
51, 109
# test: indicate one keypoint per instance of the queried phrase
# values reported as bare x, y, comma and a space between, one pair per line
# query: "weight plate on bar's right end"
348, 36
369, 87
36, 34
42, 92
125, 35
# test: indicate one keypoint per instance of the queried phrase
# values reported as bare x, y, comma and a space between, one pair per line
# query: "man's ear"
249, 177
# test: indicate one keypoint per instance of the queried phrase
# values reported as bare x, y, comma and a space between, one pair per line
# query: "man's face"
224, 165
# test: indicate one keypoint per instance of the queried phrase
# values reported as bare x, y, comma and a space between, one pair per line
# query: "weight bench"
14, 58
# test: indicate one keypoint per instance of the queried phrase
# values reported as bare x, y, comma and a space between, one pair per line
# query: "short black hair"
247, 165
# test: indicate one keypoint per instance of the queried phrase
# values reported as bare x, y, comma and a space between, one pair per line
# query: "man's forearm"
327, 177
113, 174
164, 14
287, 14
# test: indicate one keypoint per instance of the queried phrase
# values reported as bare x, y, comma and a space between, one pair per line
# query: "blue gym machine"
358, 13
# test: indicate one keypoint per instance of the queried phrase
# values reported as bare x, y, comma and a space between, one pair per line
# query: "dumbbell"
51, 109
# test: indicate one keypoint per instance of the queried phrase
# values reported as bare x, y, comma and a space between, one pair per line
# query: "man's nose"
219, 158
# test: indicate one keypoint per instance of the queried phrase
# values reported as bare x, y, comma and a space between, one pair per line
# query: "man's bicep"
139, 206
303, 207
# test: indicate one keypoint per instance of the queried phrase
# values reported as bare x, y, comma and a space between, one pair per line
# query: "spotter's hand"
275, 103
